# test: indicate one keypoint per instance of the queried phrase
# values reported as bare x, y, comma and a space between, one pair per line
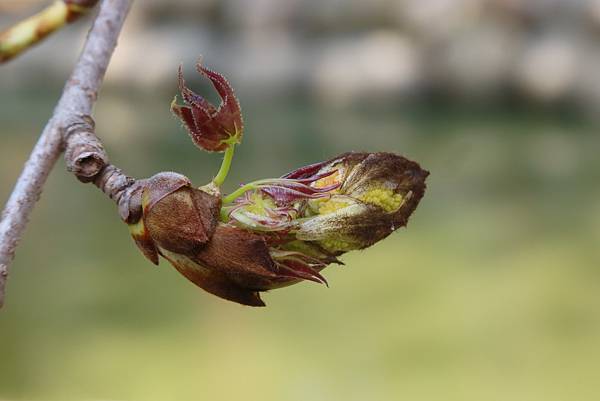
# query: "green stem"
225, 165
252, 185
238, 192
224, 215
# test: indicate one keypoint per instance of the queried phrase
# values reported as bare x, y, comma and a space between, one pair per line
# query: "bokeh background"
491, 293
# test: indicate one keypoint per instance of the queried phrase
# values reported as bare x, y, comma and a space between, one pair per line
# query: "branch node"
84, 154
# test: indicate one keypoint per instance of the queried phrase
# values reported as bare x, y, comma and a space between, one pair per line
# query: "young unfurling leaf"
211, 128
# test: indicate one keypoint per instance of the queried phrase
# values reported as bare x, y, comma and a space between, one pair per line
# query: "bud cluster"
269, 233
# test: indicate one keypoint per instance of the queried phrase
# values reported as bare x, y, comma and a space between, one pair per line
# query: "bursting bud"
170, 218
377, 193
269, 233
343, 204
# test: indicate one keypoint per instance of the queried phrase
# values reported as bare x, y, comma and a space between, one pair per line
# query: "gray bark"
71, 129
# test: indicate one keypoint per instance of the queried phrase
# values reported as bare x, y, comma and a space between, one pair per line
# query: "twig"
70, 127
32, 30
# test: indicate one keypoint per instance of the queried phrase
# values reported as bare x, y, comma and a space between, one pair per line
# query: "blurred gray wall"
344, 51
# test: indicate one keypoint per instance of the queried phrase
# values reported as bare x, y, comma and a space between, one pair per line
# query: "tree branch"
70, 128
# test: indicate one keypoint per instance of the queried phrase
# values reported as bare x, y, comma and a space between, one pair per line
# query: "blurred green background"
491, 293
